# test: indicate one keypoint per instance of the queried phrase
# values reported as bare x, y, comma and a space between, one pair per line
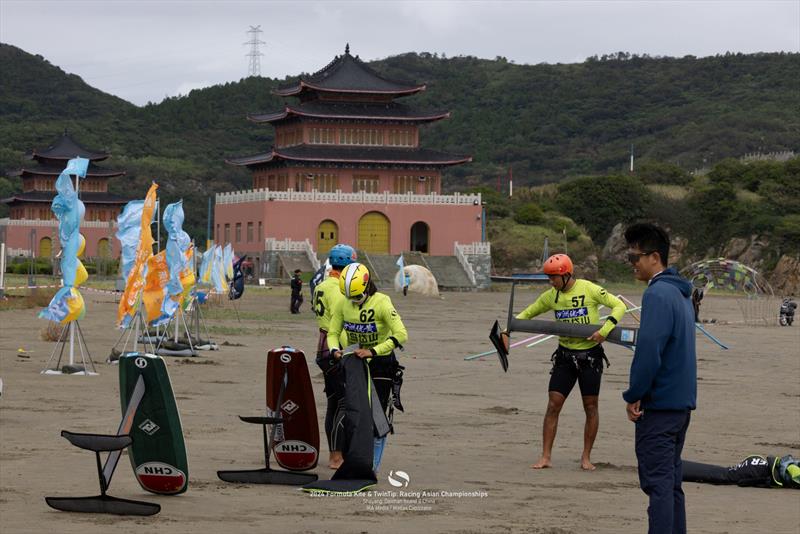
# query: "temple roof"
88, 197
66, 148
393, 111
348, 74
48, 170
358, 154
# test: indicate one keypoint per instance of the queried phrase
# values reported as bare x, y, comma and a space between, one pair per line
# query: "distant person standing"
663, 377
297, 292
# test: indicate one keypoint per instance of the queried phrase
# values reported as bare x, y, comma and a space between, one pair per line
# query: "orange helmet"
558, 264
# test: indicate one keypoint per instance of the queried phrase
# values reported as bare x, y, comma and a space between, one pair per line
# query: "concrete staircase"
447, 270
377, 275
289, 261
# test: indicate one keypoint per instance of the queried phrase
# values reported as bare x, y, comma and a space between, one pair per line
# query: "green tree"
788, 231
714, 208
729, 171
599, 203
659, 172
529, 214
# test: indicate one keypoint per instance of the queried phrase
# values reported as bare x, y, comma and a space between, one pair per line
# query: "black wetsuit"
754, 471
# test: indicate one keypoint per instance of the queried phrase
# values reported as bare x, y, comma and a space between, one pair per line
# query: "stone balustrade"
54, 223
360, 197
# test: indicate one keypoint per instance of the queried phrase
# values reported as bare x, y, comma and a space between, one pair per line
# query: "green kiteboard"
158, 452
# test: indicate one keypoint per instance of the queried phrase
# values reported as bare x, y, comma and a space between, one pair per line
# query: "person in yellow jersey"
368, 319
576, 360
325, 298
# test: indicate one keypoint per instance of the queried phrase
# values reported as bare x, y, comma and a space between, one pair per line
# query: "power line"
254, 69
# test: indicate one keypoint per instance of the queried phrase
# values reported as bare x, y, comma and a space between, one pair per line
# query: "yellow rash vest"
578, 305
373, 325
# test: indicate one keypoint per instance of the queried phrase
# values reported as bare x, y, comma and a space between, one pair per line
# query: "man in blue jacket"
663, 377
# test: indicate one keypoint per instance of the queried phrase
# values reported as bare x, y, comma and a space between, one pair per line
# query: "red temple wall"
17, 236
298, 220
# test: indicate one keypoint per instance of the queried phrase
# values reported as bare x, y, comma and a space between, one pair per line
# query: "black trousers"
297, 300
660, 435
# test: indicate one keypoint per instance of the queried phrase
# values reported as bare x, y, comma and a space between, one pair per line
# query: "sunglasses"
633, 257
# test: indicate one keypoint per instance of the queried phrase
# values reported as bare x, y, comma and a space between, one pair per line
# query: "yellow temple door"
104, 248
373, 233
327, 236
45, 247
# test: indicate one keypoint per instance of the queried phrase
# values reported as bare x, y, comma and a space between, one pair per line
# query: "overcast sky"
146, 50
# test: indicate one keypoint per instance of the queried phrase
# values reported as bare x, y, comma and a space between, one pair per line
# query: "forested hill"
546, 121
555, 120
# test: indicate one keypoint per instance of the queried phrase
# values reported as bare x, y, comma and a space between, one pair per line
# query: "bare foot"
586, 465
543, 463
335, 460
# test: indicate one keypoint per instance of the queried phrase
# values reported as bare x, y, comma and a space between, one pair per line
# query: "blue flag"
67, 305
69, 210
319, 276
178, 242
206, 264
404, 278
77, 167
177, 245
237, 284
129, 228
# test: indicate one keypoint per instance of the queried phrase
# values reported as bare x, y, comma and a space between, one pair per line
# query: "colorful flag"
188, 279
67, 305
227, 261
319, 275
404, 278
237, 283
135, 279
178, 244
153, 294
77, 167
207, 263
218, 271
129, 227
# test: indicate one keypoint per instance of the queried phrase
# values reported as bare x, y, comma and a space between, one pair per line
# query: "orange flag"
155, 282
135, 282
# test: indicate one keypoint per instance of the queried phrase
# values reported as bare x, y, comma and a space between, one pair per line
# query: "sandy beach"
466, 440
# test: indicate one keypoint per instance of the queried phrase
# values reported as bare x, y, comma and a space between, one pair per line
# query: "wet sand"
467, 438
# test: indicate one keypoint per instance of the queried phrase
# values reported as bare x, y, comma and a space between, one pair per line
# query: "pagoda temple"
347, 166
30, 214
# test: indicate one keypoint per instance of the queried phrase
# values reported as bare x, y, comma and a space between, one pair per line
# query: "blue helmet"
341, 256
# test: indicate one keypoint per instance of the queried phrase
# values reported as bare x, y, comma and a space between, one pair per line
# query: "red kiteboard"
291, 397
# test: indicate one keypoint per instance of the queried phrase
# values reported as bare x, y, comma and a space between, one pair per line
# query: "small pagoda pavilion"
347, 166
30, 209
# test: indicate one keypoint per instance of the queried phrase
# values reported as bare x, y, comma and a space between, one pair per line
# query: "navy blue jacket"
664, 367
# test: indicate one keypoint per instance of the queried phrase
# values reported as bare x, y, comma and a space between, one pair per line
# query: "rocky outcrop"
785, 279
616, 249
677, 251
751, 251
587, 268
